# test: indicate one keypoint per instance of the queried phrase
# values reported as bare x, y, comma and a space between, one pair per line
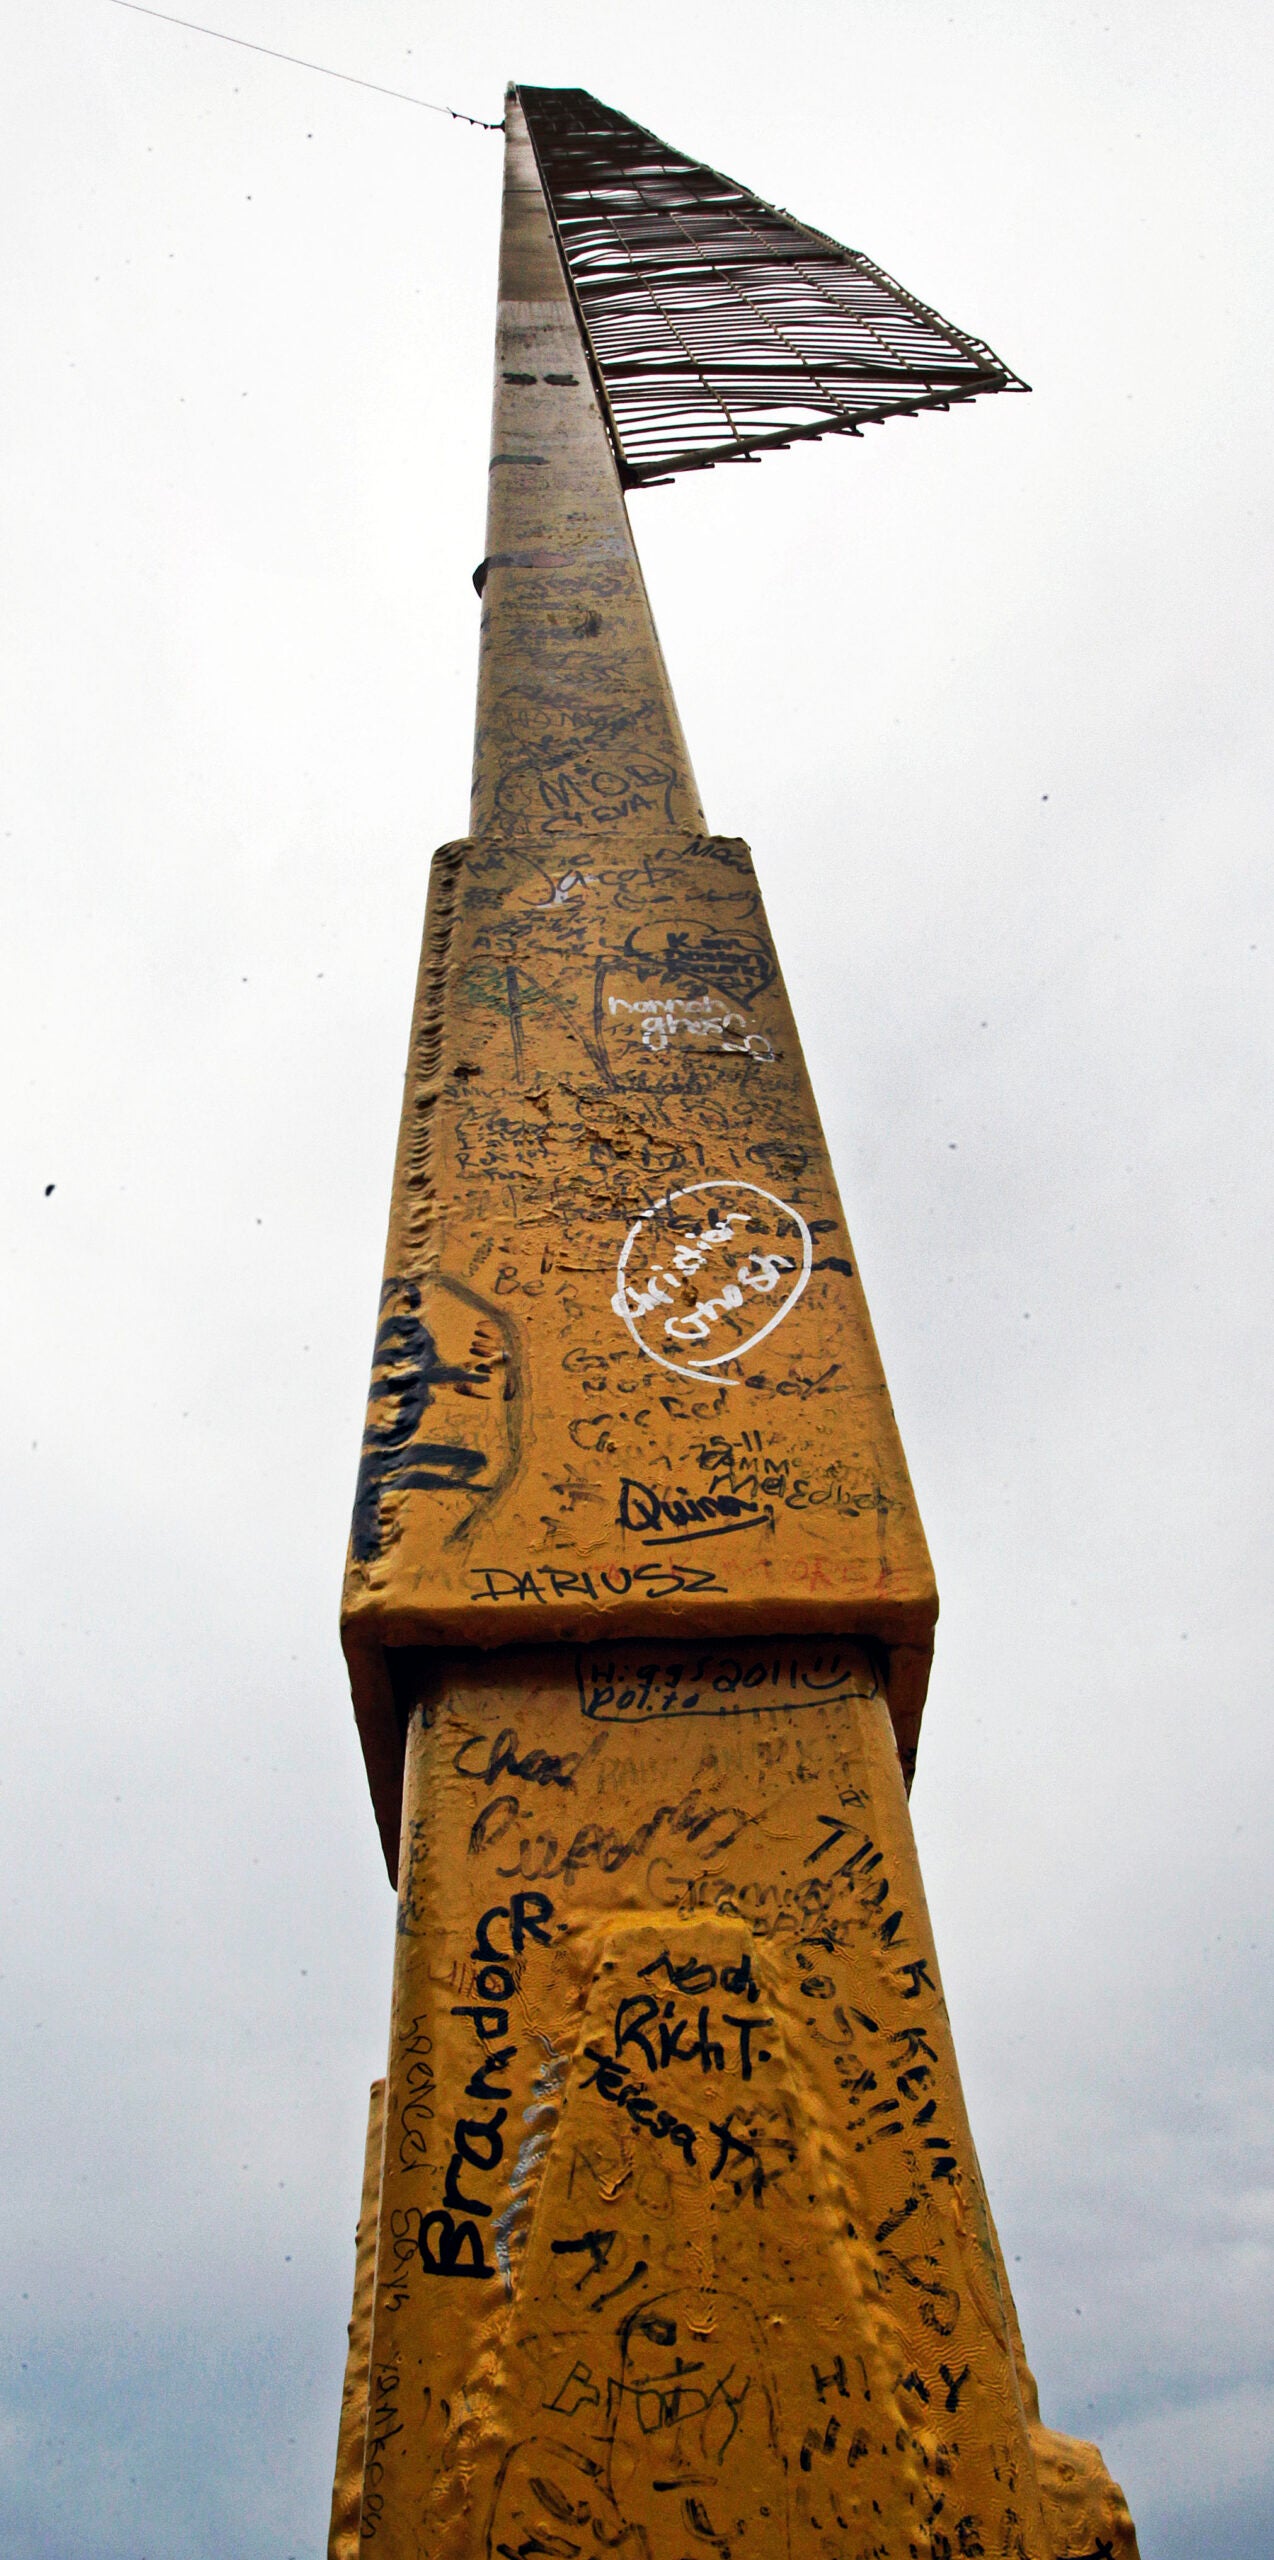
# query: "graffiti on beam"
708, 1271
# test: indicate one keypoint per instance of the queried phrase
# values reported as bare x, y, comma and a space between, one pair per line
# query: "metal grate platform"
719, 327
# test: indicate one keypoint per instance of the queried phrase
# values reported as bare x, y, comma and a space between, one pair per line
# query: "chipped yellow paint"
682, 2247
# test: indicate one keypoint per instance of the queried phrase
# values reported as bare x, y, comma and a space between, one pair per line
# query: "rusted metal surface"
681, 2243
719, 326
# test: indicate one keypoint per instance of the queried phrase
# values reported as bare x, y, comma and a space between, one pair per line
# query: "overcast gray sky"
986, 694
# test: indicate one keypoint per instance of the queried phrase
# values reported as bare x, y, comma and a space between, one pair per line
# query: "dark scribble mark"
639, 2268
513, 1397
918, 1978
894, 2221
598, 2244
783, 1159
515, 1018
834, 1262
600, 974
406, 1370
555, 2500
580, 2382
700, 2523
740, 965
836, 1832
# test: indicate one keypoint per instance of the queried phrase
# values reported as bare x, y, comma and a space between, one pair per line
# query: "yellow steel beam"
625, 1375
682, 2244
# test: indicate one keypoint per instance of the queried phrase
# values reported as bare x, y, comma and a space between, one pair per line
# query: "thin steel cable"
300, 63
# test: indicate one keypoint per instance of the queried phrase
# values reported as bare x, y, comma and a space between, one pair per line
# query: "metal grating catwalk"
719, 327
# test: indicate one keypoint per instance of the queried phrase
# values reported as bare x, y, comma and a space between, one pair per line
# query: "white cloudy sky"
985, 693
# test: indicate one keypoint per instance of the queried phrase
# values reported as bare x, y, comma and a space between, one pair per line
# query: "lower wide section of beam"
683, 2250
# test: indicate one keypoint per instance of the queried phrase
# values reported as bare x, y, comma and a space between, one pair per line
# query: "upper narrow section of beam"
577, 730
719, 326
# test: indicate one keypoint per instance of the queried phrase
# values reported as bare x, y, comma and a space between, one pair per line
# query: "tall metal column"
683, 2245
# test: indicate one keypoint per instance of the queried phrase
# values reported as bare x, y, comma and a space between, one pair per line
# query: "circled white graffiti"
707, 1272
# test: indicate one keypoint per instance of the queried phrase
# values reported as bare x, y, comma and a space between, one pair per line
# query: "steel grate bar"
718, 326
